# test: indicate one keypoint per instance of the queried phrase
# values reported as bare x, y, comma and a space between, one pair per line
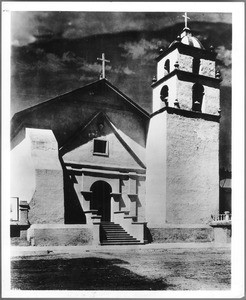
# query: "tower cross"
103, 60
186, 19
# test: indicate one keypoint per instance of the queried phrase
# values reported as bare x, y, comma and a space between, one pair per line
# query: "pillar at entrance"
24, 208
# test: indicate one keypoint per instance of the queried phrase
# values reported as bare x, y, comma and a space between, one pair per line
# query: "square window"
100, 147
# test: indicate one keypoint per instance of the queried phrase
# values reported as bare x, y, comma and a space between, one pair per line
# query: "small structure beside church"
96, 168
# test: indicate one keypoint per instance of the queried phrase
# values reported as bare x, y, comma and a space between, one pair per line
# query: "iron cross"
103, 60
186, 19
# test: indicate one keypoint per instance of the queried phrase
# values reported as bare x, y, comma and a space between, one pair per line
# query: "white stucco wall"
122, 149
192, 169
22, 173
37, 176
173, 57
156, 172
172, 87
182, 180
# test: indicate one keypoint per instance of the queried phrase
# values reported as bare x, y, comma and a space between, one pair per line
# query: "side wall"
192, 169
156, 172
37, 176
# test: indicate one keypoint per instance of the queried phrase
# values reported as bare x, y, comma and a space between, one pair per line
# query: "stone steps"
114, 234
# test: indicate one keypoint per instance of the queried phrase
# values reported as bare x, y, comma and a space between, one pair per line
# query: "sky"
56, 52
28, 26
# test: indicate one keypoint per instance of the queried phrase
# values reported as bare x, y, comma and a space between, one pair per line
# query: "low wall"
180, 234
60, 235
18, 235
222, 232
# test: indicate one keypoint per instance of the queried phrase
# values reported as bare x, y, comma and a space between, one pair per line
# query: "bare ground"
125, 269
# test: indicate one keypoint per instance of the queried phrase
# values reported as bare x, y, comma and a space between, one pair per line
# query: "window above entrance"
100, 147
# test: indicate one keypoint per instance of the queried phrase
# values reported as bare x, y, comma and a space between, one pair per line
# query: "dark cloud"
28, 27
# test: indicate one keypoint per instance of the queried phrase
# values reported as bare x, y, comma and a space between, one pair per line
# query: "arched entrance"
101, 199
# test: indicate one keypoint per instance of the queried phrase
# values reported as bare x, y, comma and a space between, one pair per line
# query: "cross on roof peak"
103, 60
186, 19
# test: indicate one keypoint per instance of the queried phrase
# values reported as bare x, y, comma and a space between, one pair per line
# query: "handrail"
226, 217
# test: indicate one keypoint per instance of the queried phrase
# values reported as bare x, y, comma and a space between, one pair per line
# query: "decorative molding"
126, 212
102, 173
188, 113
79, 166
189, 76
91, 211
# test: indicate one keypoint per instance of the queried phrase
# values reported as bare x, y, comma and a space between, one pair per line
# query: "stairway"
114, 234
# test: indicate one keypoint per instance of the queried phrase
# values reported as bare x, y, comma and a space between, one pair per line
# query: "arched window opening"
196, 65
164, 94
167, 66
197, 97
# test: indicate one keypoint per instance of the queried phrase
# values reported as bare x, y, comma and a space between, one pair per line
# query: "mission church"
93, 167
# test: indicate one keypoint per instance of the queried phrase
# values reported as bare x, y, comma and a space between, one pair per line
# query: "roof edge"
31, 108
138, 107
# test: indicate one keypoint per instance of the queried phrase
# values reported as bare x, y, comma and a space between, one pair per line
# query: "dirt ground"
124, 269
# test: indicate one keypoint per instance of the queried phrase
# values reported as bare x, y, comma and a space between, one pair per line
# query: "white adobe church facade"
93, 158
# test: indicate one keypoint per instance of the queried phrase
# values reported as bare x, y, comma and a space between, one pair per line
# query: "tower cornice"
188, 76
189, 50
187, 113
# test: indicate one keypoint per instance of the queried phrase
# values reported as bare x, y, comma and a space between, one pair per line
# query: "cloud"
94, 68
24, 25
28, 26
127, 71
68, 62
143, 49
122, 70
224, 55
226, 76
51, 62
85, 78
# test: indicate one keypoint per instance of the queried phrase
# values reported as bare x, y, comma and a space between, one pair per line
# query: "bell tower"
183, 138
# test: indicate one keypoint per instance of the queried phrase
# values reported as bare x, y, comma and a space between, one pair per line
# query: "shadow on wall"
74, 213
148, 235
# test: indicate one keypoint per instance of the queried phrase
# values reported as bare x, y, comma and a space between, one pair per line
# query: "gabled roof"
86, 87
19, 120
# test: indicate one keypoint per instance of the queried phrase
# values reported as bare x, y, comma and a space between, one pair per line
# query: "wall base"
181, 234
60, 235
222, 233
